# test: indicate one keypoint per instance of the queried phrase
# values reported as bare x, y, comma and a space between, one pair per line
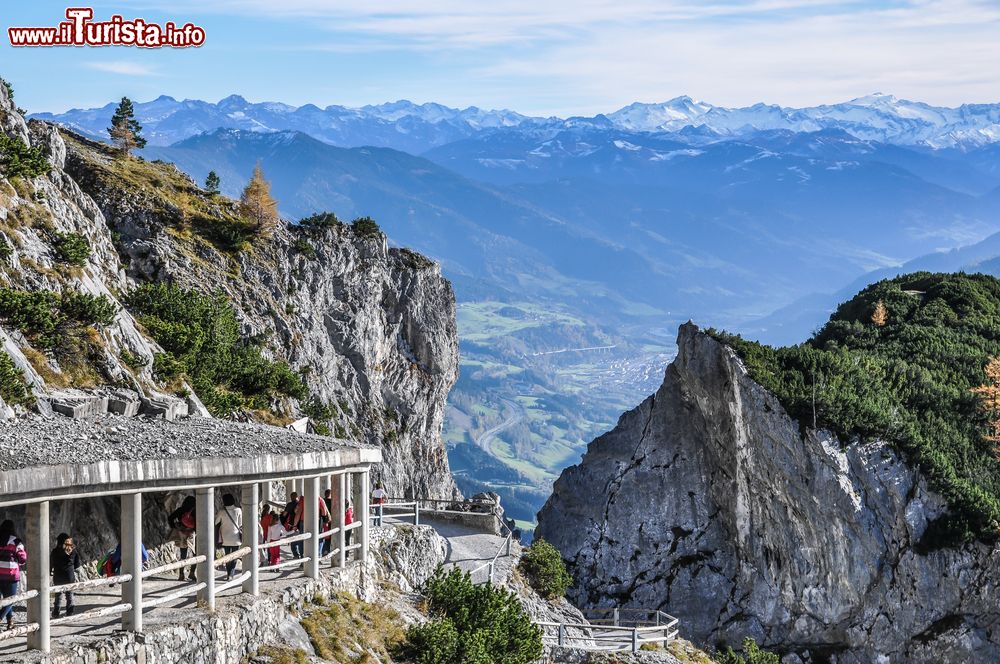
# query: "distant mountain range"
577, 245
418, 127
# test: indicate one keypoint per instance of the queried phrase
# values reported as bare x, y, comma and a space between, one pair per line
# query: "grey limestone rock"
708, 502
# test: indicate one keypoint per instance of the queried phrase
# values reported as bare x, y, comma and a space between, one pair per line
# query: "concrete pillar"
37, 545
251, 535
205, 511
362, 512
338, 500
289, 488
265, 495
310, 521
131, 541
366, 514
300, 486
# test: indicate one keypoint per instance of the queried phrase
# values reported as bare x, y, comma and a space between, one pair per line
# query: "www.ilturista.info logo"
81, 30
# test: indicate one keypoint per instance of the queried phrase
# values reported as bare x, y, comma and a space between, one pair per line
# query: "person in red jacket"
12, 557
348, 520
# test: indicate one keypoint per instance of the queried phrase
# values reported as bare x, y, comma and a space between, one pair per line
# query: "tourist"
229, 525
328, 501
348, 520
322, 521
289, 518
64, 561
274, 533
12, 556
182, 521
379, 496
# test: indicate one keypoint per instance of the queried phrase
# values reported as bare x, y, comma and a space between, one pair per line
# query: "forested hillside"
906, 361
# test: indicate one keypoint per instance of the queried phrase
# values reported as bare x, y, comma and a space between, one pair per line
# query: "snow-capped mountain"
416, 128
876, 117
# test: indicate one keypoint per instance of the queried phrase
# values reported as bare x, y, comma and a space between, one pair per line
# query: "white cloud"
123, 67
585, 56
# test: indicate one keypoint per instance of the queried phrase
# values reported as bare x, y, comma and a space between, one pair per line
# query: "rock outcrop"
709, 502
371, 328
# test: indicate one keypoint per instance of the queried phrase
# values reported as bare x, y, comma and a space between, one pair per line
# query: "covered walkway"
132, 458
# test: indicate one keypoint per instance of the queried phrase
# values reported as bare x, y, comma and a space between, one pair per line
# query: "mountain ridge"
423, 126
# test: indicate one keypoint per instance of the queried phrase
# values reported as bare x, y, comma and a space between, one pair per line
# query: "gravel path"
38, 441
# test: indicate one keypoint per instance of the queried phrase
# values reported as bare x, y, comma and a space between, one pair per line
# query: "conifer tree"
125, 130
881, 315
989, 401
257, 204
212, 182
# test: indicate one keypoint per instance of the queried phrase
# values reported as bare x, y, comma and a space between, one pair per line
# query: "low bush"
366, 227
17, 159
302, 246
752, 654
472, 624
543, 565
6, 251
49, 318
72, 248
201, 337
320, 221
13, 388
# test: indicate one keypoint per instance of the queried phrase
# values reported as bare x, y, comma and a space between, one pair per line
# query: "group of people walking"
64, 560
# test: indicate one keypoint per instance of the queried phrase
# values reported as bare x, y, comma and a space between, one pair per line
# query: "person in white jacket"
229, 523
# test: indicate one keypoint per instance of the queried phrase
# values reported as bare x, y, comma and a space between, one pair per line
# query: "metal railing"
615, 630
387, 513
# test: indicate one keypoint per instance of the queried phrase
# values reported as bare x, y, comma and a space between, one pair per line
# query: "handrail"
21, 630
178, 564
229, 557
601, 636
288, 563
94, 613
16, 599
183, 592
92, 583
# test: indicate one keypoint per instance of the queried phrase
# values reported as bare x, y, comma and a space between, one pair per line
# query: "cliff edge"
708, 501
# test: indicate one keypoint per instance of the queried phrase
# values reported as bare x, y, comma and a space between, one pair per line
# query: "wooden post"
562, 634
131, 542
205, 522
635, 640
37, 545
251, 535
416, 512
339, 500
310, 521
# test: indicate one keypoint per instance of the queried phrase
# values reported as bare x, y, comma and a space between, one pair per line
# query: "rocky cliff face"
709, 502
372, 329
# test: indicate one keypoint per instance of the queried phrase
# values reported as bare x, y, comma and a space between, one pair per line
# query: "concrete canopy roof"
63, 458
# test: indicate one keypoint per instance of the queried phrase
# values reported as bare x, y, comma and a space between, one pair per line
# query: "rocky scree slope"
370, 329
709, 502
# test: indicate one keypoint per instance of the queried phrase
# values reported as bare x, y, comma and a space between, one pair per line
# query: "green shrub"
908, 382
320, 221
6, 251
19, 160
302, 246
48, 318
13, 388
132, 360
472, 624
543, 565
72, 248
366, 227
752, 654
201, 337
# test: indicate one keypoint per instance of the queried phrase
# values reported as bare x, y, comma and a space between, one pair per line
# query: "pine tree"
257, 204
125, 130
989, 401
212, 182
881, 315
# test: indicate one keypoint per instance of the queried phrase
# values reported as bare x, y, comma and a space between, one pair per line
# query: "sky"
539, 57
